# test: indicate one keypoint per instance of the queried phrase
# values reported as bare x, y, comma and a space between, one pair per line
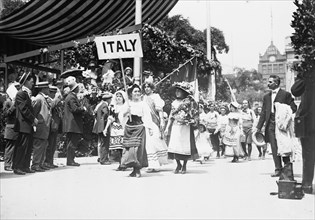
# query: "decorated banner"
187, 73
119, 46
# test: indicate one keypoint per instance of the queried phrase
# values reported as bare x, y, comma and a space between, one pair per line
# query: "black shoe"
106, 163
98, 160
121, 168
276, 174
19, 172
28, 170
138, 174
44, 167
307, 189
183, 170
74, 164
178, 168
132, 174
8, 169
38, 169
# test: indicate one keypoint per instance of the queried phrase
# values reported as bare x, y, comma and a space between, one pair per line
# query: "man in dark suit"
268, 117
72, 122
304, 86
101, 114
24, 123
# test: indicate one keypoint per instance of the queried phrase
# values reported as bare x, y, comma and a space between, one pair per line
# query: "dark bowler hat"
41, 85
23, 78
298, 87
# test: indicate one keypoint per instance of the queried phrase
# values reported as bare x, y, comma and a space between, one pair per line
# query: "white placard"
119, 46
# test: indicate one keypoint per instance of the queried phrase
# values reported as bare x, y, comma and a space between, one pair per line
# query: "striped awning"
49, 22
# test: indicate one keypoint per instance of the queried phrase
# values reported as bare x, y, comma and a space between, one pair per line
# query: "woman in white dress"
233, 132
116, 123
182, 117
155, 144
139, 120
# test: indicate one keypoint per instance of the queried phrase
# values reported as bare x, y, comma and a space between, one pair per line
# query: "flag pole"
176, 70
125, 84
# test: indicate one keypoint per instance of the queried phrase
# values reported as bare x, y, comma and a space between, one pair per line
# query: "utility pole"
211, 86
138, 60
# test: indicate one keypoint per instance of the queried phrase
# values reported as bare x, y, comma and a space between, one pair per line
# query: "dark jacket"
24, 113
304, 122
9, 113
283, 97
73, 112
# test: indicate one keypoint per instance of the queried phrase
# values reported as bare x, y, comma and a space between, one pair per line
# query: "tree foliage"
11, 5
247, 84
303, 39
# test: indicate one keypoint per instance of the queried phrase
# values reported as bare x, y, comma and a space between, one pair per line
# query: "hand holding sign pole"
118, 47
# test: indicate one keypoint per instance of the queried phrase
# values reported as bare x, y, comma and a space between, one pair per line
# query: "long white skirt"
156, 149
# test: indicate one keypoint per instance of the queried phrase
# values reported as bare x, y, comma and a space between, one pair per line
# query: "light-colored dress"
182, 141
233, 132
203, 143
155, 144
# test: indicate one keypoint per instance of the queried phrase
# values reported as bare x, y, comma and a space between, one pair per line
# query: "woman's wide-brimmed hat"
258, 138
185, 86
202, 127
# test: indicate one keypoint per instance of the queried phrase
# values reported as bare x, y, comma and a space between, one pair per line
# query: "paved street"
217, 189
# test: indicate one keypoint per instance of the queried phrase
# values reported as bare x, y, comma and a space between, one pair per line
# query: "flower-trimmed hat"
185, 86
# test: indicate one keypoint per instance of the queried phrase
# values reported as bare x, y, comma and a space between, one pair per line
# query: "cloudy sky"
246, 26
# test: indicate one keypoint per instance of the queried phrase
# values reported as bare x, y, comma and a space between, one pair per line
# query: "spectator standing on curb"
25, 121
55, 125
304, 86
42, 106
72, 123
101, 113
10, 136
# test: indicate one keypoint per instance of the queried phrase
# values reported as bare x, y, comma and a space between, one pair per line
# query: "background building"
275, 63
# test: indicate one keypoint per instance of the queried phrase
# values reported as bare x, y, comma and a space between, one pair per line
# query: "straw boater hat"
53, 88
107, 95
234, 104
258, 138
23, 78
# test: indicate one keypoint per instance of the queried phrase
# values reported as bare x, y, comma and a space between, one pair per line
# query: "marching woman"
182, 117
139, 119
155, 144
116, 123
233, 132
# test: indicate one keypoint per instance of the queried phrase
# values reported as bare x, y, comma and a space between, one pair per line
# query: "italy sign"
118, 46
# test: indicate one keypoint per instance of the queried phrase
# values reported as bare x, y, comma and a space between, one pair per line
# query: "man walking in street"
72, 123
268, 117
25, 120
